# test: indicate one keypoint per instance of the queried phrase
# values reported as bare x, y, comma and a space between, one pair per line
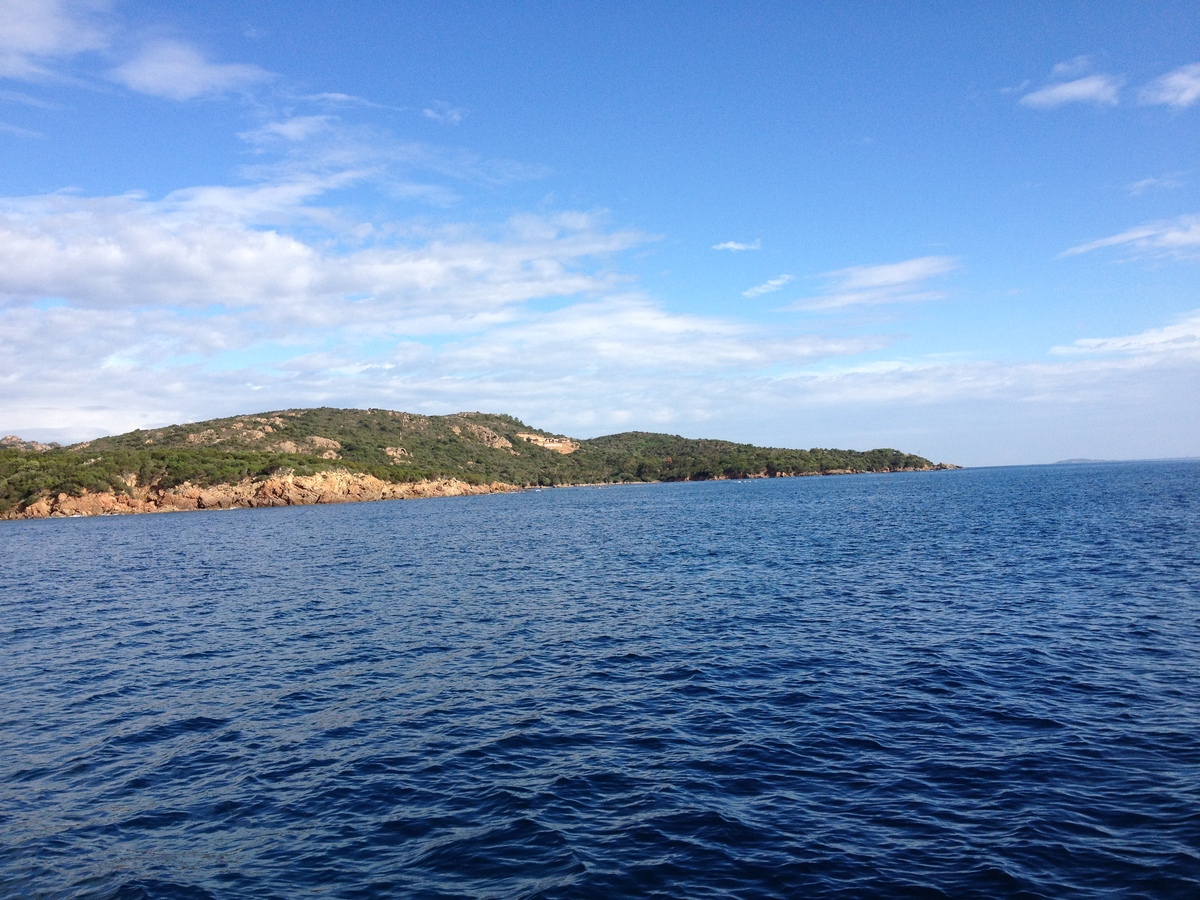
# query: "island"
305, 456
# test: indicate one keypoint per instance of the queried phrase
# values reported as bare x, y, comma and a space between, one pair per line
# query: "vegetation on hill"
398, 447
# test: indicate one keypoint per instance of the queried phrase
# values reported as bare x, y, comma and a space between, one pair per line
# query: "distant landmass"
1069, 462
304, 456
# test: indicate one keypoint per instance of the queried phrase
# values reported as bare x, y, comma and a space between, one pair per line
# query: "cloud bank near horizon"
147, 312
337, 263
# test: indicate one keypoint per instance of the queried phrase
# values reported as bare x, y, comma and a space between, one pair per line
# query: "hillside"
392, 448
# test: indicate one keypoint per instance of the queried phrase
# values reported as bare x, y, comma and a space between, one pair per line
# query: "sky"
968, 231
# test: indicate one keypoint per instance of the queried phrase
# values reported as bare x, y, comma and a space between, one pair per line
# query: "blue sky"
962, 231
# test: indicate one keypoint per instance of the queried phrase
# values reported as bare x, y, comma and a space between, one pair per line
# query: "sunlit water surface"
967, 684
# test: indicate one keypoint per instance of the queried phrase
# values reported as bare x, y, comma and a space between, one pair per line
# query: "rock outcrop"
11, 441
557, 444
283, 490
481, 434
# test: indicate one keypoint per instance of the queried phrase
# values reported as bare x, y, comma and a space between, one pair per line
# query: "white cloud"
738, 246
326, 150
147, 309
335, 98
609, 364
18, 131
1182, 338
34, 34
901, 282
293, 129
1137, 188
145, 312
444, 114
38, 36
1072, 68
1102, 90
199, 248
1178, 239
1179, 89
623, 334
594, 364
892, 275
26, 100
768, 287
178, 71
271, 203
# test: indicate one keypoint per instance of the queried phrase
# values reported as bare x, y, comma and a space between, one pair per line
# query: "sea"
977, 683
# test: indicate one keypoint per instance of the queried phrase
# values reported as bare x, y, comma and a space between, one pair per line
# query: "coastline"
310, 490
283, 490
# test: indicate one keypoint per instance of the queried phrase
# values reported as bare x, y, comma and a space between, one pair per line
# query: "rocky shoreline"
284, 490
302, 490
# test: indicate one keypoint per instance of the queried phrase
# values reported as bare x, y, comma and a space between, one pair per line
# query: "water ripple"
971, 684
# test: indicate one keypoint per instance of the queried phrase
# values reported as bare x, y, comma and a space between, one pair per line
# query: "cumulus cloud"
148, 308
1101, 90
607, 364
589, 364
200, 248
767, 287
1177, 239
738, 246
145, 312
1179, 89
178, 71
38, 36
35, 34
902, 282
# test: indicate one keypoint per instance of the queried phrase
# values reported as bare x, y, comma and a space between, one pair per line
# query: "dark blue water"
967, 684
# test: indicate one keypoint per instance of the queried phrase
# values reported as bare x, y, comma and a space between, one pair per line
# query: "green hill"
397, 447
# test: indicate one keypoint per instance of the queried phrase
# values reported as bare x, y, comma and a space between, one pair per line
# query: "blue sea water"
982, 683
